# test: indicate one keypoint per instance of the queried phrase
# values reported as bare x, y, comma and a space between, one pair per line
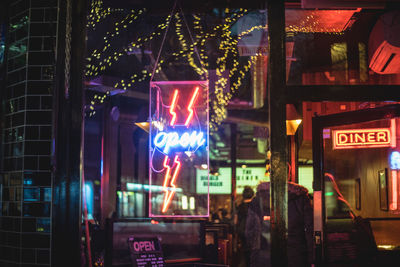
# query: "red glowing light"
393, 132
361, 138
393, 205
170, 193
172, 108
190, 106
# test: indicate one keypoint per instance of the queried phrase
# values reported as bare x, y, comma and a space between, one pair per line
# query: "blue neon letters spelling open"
188, 140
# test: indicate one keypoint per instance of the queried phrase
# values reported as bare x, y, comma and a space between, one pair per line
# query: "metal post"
233, 179
233, 163
68, 128
318, 186
278, 139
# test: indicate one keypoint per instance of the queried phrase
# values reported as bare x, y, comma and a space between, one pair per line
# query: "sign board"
306, 177
146, 252
219, 184
250, 177
178, 142
361, 138
222, 184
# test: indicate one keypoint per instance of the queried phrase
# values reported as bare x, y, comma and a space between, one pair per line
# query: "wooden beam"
277, 119
316, 93
68, 133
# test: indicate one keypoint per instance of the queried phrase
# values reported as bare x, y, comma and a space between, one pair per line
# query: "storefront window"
135, 134
176, 153
355, 179
342, 47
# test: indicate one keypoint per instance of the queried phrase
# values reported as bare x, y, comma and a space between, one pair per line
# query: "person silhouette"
300, 227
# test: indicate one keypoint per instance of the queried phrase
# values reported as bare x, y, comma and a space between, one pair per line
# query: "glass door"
356, 158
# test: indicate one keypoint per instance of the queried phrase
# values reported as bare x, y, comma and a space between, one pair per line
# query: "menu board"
146, 252
222, 182
218, 184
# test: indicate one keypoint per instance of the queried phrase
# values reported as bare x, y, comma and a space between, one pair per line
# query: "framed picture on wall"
358, 194
383, 189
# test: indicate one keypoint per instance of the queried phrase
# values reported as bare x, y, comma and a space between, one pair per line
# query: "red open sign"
361, 138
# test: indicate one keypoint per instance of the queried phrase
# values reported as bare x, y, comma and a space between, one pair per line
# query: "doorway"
356, 158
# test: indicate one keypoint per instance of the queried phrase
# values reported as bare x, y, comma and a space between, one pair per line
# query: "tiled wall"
25, 213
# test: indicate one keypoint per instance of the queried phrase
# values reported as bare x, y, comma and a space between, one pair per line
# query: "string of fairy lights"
230, 71
119, 26
98, 13
95, 69
185, 50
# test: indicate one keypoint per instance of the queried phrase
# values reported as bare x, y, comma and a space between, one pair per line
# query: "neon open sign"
187, 141
361, 138
178, 143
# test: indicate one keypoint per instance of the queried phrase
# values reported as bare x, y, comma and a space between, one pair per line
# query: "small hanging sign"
146, 252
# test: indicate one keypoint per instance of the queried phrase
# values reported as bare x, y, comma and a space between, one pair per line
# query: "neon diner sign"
361, 138
177, 137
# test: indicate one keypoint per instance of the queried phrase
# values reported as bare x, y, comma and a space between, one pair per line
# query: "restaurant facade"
131, 131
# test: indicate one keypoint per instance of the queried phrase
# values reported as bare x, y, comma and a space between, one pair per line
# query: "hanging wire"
163, 40
193, 43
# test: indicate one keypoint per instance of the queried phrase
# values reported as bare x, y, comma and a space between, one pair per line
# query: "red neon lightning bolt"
169, 194
190, 106
172, 108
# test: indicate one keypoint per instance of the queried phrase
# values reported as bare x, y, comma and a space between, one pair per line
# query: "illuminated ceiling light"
192, 203
291, 126
143, 125
386, 247
204, 166
244, 166
293, 119
184, 202
146, 125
